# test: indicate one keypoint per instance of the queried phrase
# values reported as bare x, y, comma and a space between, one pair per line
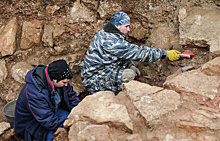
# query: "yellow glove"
173, 55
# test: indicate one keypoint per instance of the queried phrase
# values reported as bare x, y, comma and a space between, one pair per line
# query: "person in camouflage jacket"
107, 62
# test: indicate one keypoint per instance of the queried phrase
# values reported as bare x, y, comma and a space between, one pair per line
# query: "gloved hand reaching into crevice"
173, 55
136, 70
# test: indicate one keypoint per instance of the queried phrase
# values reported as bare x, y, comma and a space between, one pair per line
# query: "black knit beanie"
59, 70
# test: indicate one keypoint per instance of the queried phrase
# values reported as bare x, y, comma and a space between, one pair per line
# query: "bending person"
107, 62
44, 102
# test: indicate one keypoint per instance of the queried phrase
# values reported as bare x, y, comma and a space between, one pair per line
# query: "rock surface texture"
171, 106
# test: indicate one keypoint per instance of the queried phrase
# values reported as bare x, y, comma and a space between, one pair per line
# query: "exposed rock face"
152, 102
147, 108
3, 71
195, 82
4, 126
31, 33
212, 67
19, 71
80, 13
105, 109
164, 37
185, 107
200, 27
8, 37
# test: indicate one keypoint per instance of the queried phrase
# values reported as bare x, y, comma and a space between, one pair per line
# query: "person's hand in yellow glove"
173, 55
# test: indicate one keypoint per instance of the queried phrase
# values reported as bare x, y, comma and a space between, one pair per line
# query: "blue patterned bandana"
120, 18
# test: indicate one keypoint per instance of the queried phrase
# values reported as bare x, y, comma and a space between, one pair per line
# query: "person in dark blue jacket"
44, 102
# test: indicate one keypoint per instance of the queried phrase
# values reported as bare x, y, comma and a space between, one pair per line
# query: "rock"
70, 47
58, 31
9, 136
3, 70
137, 31
195, 82
8, 38
52, 9
164, 38
51, 31
60, 135
152, 102
48, 35
91, 133
108, 8
72, 59
182, 14
200, 28
102, 107
91, 4
212, 67
80, 13
31, 33
134, 137
19, 71
3, 127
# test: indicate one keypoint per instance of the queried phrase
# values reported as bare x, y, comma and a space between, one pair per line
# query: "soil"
26, 10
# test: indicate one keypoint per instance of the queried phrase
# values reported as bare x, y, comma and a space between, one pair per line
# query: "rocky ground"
38, 32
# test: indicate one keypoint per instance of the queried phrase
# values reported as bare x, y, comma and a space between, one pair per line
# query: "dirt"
36, 9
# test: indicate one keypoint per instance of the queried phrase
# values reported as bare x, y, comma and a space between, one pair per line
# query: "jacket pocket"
33, 131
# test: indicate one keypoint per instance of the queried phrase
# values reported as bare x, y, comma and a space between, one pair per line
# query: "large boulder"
152, 102
199, 27
212, 67
195, 82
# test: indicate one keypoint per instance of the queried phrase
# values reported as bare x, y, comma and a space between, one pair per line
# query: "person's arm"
72, 95
41, 110
123, 49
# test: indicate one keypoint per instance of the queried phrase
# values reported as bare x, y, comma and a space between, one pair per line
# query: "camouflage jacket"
108, 55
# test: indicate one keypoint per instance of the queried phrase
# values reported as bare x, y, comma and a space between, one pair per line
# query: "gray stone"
182, 14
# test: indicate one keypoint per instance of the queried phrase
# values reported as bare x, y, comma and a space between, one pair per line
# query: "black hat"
59, 70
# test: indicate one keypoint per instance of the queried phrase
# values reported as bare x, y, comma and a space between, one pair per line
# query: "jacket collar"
110, 28
50, 84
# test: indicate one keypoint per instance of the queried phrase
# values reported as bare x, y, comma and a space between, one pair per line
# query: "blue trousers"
59, 113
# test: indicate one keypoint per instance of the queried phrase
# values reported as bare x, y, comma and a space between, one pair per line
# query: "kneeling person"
44, 102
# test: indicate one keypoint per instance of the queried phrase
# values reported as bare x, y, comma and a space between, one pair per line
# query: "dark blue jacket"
35, 107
